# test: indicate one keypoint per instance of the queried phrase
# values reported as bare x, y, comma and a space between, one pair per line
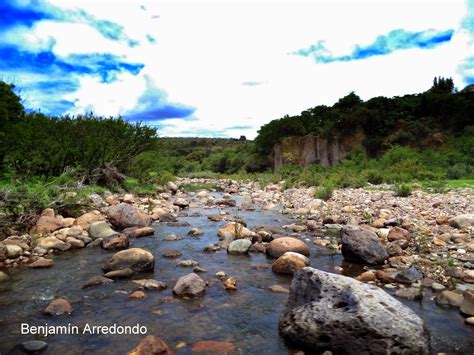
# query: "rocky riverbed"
211, 270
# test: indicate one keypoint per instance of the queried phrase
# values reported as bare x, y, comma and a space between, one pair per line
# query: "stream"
248, 317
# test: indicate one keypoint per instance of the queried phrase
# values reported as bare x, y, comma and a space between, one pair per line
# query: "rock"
167, 217
4, 277
13, 251
442, 220
235, 230
150, 284
141, 232
215, 217
181, 203
34, 346
462, 221
230, 283
336, 313
119, 241
411, 293
52, 243
151, 345
58, 306
97, 200
210, 347
124, 215
187, 263
172, 187
87, 219
198, 269
195, 232
97, 281
366, 277
449, 298
280, 246
437, 286
189, 285
289, 263
409, 276
136, 259
41, 263
3, 252
226, 202
279, 289
221, 274
394, 248
101, 230
139, 295
45, 225
362, 246
75, 243
119, 274
172, 238
398, 233
170, 253
239, 246
247, 205
128, 198
469, 320
467, 306
202, 194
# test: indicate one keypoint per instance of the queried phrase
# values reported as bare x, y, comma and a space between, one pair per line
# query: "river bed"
247, 317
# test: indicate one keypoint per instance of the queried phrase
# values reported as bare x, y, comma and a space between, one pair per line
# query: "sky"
224, 68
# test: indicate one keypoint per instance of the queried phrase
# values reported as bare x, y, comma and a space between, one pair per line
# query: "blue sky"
224, 68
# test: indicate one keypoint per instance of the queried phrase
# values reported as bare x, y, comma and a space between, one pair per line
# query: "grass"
195, 187
460, 183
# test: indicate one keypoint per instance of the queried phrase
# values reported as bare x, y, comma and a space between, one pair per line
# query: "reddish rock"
142, 232
87, 219
366, 277
137, 295
41, 263
398, 233
58, 307
124, 215
213, 347
289, 263
151, 345
280, 246
385, 277
46, 224
442, 220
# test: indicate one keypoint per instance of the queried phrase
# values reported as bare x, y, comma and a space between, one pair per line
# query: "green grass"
134, 186
195, 187
460, 183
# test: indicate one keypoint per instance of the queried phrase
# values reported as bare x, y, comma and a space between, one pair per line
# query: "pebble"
34, 346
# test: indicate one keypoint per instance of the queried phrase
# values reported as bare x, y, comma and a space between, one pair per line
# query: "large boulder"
88, 218
360, 245
329, 312
280, 246
136, 259
13, 251
189, 285
45, 225
462, 221
124, 215
102, 230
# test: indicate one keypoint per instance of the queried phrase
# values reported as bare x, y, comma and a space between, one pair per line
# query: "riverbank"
421, 231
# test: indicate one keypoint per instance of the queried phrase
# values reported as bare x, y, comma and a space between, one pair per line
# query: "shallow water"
247, 317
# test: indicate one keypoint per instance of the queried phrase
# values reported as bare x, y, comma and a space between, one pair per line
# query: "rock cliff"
307, 150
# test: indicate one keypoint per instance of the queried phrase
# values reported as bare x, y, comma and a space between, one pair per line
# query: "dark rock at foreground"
328, 312
360, 245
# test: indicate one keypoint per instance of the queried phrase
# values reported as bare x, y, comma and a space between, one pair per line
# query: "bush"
403, 190
324, 192
374, 176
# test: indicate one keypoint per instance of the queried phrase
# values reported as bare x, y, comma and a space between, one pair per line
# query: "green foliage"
403, 190
196, 187
324, 192
136, 187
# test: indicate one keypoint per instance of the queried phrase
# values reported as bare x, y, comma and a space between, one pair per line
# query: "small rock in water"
4, 276
195, 232
41, 263
188, 263
150, 284
469, 320
467, 306
411, 293
199, 269
279, 289
151, 345
172, 238
189, 285
171, 253
239, 246
221, 274
366, 277
449, 298
409, 276
142, 232
213, 347
96, 281
118, 274
230, 283
34, 346
137, 295
58, 306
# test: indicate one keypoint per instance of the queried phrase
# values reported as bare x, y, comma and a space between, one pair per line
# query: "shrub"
324, 192
403, 190
374, 176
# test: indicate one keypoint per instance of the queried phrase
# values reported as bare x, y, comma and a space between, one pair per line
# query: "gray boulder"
239, 246
462, 221
125, 215
189, 285
101, 230
362, 246
329, 312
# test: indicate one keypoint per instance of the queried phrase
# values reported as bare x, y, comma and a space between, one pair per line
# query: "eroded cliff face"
310, 149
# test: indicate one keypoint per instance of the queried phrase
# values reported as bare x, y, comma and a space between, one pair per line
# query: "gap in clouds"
384, 44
